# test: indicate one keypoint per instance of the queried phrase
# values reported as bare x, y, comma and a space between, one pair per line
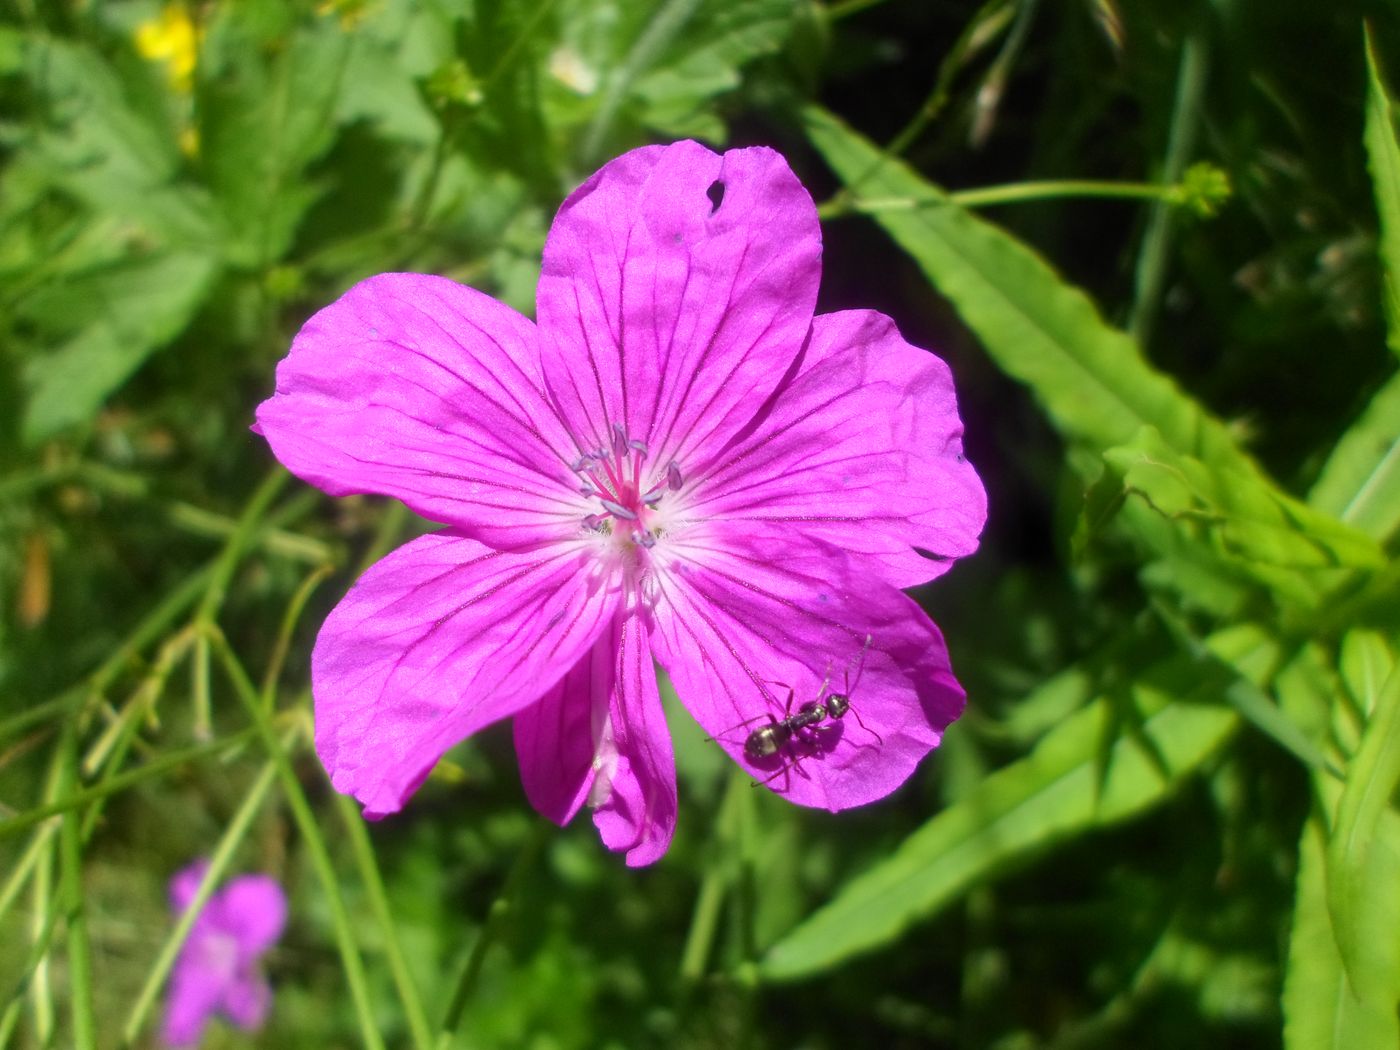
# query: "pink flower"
217, 971
677, 462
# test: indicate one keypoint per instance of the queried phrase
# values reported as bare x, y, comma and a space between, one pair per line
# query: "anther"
673, 476
618, 510
619, 440
594, 521
644, 539
637, 446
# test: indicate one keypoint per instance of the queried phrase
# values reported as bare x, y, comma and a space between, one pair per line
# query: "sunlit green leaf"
1320, 1009
1360, 483
1363, 862
1236, 511
119, 316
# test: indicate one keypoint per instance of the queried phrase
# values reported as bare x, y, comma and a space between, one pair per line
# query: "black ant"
800, 725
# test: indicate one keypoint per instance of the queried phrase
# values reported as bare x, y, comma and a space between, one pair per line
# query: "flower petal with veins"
438, 639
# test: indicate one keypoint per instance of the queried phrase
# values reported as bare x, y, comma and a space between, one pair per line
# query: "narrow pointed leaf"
1363, 863
1384, 153
1360, 482
1320, 1009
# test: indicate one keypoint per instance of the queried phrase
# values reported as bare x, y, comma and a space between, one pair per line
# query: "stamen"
673, 476
644, 539
594, 521
653, 495
637, 446
618, 510
619, 441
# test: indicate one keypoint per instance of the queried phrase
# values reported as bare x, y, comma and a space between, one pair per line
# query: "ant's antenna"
850, 687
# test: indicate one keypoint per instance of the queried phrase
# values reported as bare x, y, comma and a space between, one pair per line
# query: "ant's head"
837, 704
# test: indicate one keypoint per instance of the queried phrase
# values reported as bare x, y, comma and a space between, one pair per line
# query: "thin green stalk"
290, 618
379, 903
1013, 193
71, 894
41, 928
980, 30
227, 563
112, 744
120, 782
232, 837
496, 917
311, 834
202, 708
1150, 275
28, 973
719, 877
26, 866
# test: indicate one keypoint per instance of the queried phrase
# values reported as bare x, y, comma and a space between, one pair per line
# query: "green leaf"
1238, 512
264, 122
116, 153
1320, 1009
1367, 661
1384, 153
1090, 377
1065, 788
1360, 483
122, 314
1363, 863
705, 63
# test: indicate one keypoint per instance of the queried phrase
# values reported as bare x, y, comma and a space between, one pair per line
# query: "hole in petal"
716, 195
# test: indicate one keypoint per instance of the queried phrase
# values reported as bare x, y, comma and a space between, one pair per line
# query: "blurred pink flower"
677, 461
217, 971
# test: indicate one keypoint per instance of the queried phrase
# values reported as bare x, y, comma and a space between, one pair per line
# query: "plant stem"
311, 834
237, 543
363, 849
1150, 274
154, 768
1013, 193
71, 895
218, 863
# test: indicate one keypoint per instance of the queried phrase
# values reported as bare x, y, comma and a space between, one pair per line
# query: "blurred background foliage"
1166, 817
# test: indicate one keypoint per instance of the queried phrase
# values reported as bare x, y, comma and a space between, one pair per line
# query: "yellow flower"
171, 38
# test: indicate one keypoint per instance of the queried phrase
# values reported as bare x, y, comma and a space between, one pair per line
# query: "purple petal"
665, 313
185, 883
247, 1000
193, 997
419, 388
600, 735
864, 450
638, 813
557, 738
741, 622
438, 639
253, 910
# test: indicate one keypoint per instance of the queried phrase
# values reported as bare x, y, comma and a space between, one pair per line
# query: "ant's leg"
872, 732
